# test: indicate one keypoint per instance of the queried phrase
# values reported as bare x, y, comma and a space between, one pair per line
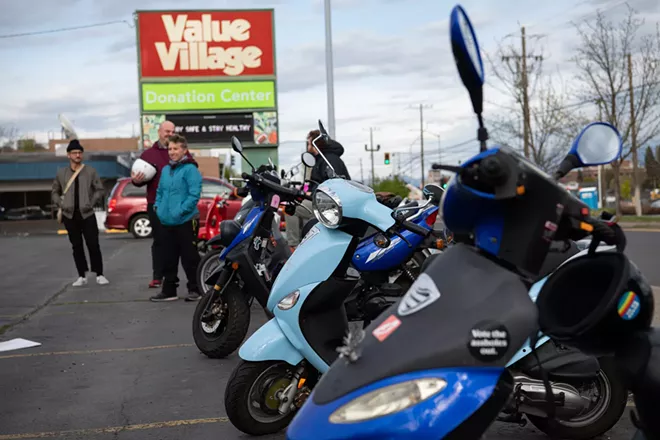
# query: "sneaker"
102, 280
162, 296
155, 284
81, 281
193, 296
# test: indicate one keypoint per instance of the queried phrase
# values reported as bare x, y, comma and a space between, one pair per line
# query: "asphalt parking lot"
113, 365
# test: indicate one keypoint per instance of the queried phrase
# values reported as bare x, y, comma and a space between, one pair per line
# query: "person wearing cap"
77, 205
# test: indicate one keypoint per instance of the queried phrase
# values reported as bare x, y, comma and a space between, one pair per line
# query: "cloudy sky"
390, 55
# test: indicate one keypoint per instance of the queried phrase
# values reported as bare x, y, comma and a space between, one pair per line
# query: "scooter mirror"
236, 144
308, 159
433, 191
598, 143
467, 56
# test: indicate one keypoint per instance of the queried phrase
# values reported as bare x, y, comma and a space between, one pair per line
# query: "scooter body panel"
466, 391
269, 343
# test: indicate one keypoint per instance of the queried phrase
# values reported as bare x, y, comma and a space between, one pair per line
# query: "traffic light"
443, 181
387, 158
233, 161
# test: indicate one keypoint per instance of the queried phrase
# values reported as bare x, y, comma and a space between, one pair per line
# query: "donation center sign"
212, 73
213, 43
208, 96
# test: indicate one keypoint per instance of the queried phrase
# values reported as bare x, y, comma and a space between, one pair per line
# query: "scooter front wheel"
223, 331
252, 396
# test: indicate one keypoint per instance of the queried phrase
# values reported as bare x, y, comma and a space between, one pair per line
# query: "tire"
203, 269
246, 380
140, 226
599, 419
229, 332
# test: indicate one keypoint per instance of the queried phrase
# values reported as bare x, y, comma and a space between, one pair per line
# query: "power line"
65, 29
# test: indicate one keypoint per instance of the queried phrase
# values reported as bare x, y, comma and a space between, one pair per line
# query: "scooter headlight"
388, 400
327, 208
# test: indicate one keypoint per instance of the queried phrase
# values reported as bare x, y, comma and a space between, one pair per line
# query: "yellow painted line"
107, 231
105, 350
113, 429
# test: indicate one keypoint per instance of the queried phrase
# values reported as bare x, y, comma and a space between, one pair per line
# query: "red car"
127, 205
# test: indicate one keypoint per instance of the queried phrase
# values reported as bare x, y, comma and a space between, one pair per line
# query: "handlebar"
275, 187
401, 221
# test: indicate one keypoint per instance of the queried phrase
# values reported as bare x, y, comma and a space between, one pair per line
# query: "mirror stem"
248, 162
566, 165
482, 134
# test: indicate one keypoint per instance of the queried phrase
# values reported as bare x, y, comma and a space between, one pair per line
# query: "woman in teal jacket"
178, 192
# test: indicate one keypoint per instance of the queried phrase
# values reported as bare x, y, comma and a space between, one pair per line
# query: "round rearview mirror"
433, 191
236, 144
598, 143
467, 55
308, 159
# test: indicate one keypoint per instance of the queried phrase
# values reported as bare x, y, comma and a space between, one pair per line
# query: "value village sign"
219, 65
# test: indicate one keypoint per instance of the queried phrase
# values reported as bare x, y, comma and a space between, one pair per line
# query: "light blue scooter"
282, 360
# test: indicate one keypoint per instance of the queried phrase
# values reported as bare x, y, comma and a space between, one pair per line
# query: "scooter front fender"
270, 344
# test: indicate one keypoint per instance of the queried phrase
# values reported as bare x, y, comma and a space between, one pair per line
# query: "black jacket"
321, 171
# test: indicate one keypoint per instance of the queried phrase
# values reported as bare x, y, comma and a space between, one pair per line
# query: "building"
26, 178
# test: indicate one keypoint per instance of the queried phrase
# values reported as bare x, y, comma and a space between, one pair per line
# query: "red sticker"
386, 328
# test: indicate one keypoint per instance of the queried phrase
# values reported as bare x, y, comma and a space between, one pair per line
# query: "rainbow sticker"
629, 306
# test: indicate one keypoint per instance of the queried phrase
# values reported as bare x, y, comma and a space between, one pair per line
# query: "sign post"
213, 74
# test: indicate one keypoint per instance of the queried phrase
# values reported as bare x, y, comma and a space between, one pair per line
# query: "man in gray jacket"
77, 203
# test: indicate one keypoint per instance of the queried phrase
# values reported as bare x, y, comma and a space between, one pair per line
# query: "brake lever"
398, 234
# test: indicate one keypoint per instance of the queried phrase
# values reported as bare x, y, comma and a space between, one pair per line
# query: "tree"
8, 135
602, 61
552, 126
393, 185
625, 189
652, 166
29, 146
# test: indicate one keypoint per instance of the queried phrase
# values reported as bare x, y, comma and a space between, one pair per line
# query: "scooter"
254, 253
471, 373
308, 299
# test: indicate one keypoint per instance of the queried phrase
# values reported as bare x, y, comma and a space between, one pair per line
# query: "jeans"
180, 243
77, 228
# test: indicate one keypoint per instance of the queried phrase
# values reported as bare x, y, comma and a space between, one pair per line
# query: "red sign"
203, 44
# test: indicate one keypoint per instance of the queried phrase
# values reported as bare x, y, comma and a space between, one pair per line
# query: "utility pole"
524, 85
633, 135
370, 149
361, 172
421, 136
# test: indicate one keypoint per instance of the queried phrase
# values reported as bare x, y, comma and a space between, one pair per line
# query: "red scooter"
212, 226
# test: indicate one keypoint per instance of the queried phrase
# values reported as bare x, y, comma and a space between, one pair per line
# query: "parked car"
27, 213
127, 205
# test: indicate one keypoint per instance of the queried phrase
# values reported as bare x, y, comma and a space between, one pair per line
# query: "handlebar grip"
413, 227
246, 176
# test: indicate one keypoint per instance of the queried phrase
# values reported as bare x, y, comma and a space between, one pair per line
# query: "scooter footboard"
269, 344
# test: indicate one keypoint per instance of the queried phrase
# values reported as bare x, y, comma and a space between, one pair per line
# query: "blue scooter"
282, 360
388, 383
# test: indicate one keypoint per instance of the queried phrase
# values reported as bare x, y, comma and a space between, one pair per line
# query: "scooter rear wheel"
601, 417
251, 396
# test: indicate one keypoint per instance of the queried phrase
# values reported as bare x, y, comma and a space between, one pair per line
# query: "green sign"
208, 96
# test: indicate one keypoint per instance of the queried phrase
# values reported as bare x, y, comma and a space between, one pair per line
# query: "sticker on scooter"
275, 201
256, 243
312, 232
350, 350
386, 328
489, 341
629, 306
421, 294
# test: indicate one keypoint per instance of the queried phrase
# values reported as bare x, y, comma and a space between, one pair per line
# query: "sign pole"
329, 71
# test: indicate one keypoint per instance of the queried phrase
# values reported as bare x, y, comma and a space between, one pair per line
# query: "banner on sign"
255, 128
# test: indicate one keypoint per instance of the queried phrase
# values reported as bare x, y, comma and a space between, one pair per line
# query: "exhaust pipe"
530, 398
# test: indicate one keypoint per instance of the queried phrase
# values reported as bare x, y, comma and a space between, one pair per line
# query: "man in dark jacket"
158, 157
77, 200
332, 150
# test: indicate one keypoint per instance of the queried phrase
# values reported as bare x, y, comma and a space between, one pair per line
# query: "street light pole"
329, 70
